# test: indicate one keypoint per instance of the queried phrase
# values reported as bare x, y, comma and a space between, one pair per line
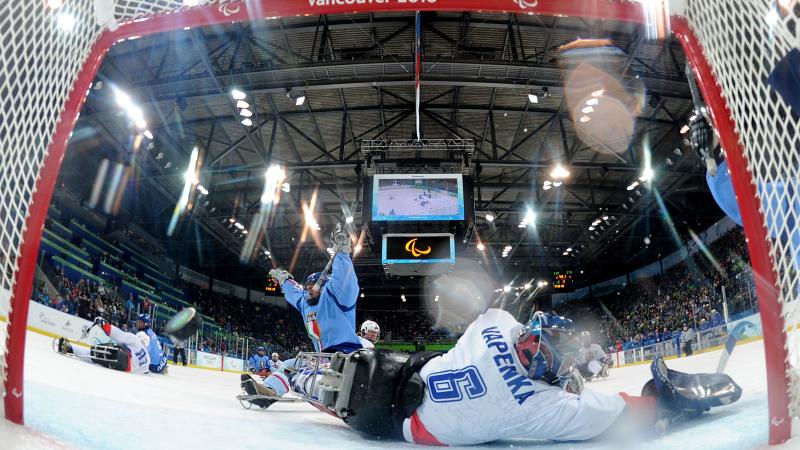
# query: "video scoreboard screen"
562, 279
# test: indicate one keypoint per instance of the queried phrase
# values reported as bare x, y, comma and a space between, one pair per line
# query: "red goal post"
46, 73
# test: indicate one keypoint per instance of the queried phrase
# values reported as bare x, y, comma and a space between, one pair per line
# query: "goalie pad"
692, 393
111, 356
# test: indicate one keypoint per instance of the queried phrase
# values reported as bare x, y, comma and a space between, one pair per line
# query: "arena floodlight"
533, 98
489, 217
300, 100
480, 246
241, 104
507, 288
237, 94
559, 172
246, 113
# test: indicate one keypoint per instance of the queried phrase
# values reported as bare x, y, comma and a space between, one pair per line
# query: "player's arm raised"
343, 283
292, 291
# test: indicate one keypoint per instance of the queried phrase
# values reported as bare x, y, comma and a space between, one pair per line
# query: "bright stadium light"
348, 219
527, 286
587, 110
480, 246
507, 288
247, 122
489, 217
55, 4
533, 98
436, 299
246, 113
647, 174
241, 104
559, 172
300, 100
592, 101
237, 94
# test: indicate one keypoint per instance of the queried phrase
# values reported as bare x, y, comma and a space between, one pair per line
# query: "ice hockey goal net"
48, 59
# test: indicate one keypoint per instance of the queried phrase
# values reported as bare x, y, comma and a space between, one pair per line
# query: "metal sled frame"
334, 386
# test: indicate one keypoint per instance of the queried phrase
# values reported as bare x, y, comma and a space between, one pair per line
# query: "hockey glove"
280, 275
341, 241
103, 325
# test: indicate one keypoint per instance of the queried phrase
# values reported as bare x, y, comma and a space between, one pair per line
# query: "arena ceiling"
357, 75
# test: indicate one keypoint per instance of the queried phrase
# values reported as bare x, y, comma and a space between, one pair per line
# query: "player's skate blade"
257, 394
62, 345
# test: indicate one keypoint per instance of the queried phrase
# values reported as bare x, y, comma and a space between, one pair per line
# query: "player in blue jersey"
158, 359
260, 363
328, 306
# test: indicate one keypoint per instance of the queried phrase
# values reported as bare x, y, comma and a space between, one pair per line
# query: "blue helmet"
261, 349
542, 344
311, 279
145, 318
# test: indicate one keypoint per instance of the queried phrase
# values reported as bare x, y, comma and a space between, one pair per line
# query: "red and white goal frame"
731, 46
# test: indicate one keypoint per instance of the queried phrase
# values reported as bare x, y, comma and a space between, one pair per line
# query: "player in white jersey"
127, 351
275, 361
502, 381
369, 334
592, 360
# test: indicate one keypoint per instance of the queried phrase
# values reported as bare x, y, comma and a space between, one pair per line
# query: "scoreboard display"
272, 286
562, 279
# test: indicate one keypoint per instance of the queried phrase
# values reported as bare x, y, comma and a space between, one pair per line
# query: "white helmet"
143, 338
275, 356
368, 328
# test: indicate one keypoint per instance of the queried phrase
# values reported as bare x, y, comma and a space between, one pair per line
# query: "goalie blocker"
375, 390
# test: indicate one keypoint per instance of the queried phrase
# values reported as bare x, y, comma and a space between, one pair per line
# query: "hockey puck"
183, 325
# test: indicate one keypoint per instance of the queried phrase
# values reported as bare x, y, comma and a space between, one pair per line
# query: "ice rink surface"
406, 201
72, 404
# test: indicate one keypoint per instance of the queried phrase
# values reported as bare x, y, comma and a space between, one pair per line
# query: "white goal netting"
43, 50
743, 41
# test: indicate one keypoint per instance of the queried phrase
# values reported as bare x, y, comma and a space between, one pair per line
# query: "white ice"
70, 403
406, 201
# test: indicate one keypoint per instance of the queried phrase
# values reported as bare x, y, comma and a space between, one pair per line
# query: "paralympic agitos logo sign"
411, 247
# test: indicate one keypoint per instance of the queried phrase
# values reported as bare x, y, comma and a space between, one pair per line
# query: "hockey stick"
736, 334
327, 269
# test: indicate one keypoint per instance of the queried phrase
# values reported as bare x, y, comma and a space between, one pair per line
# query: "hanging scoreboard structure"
407, 254
562, 279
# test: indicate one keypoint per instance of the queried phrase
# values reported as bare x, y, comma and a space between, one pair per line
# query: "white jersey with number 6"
478, 392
